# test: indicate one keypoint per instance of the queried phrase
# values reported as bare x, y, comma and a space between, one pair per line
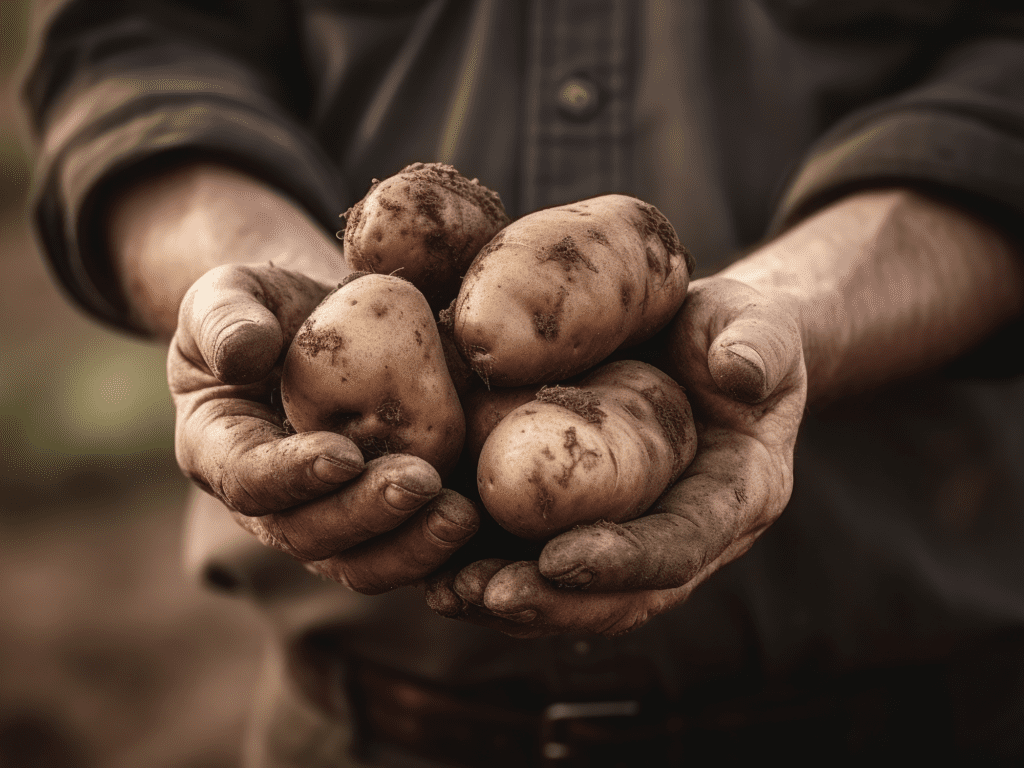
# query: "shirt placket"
578, 100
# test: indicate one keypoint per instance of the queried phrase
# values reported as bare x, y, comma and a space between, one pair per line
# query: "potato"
368, 364
426, 223
485, 408
604, 450
555, 292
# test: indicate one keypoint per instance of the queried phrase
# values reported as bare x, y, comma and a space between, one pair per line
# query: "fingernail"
331, 470
449, 531
403, 499
747, 353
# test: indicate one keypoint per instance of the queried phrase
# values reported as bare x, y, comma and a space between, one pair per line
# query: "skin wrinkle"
770, 427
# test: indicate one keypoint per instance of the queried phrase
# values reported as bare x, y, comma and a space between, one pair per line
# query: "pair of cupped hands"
388, 522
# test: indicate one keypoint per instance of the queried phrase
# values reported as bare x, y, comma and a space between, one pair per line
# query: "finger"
726, 498
519, 592
409, 553
236, 447
236, 320
751, 357
385, 495
471, 582
442, 598
753, 345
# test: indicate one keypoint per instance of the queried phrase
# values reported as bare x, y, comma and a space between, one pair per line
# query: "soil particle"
380, 309
676, 422
390, 413
653, 223
542, 498
446, 318
447, 177
375, 446
392, 206
582, 402
546, 325
578, 455
598, 237
313, 341
567, 254
633, 411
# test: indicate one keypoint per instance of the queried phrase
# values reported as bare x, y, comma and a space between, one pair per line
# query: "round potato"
426, 224
368, 364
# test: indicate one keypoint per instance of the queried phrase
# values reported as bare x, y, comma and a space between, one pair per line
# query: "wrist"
887, 284
167, 230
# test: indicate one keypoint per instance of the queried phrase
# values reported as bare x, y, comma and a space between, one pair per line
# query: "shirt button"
578, 97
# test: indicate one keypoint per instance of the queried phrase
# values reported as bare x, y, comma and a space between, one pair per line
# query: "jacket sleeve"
113, 88
959, 131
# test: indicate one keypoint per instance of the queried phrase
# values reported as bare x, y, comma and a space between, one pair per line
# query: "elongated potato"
368, 363
426, 224
555, 292
604, 450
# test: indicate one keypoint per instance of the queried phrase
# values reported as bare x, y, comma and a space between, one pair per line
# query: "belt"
899, 712
436, 725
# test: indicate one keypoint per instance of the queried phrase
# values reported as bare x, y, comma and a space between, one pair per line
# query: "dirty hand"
310, 494
738, 354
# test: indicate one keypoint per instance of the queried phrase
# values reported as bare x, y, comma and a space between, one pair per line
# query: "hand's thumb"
237, 319
754, 352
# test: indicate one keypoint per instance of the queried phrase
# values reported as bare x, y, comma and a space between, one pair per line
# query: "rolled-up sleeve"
116, 88
959, 131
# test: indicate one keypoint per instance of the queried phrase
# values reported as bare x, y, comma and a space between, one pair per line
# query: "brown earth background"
109, 657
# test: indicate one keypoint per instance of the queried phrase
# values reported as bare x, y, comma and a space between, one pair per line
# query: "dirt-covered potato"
602, 450
368, 363
555, 292
426, 224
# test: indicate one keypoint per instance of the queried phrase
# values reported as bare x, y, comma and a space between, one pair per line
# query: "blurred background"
108, 656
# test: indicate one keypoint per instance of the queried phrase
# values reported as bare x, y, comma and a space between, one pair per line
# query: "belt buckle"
556, 733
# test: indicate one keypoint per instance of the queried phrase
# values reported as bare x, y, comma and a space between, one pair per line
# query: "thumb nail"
330, 469
403, 499
749, 354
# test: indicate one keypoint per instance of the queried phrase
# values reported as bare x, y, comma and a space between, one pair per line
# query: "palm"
748, 401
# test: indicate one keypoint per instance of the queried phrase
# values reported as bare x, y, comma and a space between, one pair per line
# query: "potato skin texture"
557, 291
368, 364
426, 224
609, 455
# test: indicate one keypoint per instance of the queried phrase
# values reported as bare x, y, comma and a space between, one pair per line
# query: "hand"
307, 494
739, 357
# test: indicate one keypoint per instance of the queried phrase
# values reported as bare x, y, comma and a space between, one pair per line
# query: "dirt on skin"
578, 455
580, 401
653, 222
313, 341
677, 424
548, 324
390, 412
444, 245
566, 254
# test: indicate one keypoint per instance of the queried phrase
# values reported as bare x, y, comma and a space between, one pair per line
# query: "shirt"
735, 118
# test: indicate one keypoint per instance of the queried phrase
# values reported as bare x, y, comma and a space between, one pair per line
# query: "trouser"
323, 714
